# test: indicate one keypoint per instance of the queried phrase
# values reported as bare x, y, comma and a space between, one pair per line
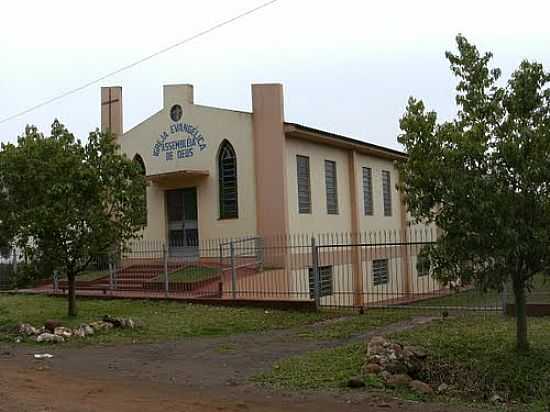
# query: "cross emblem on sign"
110, 103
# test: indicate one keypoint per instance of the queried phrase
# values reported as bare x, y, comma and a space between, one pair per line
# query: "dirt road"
195, 375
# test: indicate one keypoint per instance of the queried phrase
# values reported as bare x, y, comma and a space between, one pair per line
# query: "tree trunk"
72, 294
522, 340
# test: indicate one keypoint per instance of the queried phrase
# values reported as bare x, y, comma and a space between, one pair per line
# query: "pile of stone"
54, 332
396, 364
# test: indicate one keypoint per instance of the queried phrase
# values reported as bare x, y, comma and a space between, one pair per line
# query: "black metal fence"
387, 269
7, 269
368, 270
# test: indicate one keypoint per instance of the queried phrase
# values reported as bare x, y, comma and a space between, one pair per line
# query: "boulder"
385, 375
27, 329
393, 358
443, 388
87, 328
376, 345
416, 352
83, 331
127, 323
413, 365
378, 340
123, 323
372, 368
400, 379
355, 383
421, 387
63, 331
374, 350
396, 348
374, 359
396, 367
51, 324
496, 398
79, 333
100, 326
116, 322
49, 338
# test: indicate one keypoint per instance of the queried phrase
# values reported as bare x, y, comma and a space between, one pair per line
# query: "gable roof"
299, 131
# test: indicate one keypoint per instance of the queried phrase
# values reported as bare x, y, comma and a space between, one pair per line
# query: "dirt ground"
201, 374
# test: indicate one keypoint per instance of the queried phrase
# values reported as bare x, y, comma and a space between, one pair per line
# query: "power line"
142, 60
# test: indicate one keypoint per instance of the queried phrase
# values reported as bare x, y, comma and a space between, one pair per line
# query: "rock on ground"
421, 387
51, 324
356, 383
27, 329
399, 379
49, 338
63, 331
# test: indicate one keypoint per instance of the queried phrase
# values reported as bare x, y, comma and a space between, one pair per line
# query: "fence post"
233, 270
55, 281
14, 261
112, 284
166, 280
315, 270
260, 254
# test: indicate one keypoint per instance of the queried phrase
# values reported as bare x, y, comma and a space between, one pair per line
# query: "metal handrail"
240, 240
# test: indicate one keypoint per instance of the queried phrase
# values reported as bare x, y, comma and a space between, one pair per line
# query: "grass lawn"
469, 298
320, 370
163, 320
355, 324
191, 274
491, 299
474, 354
88, 275
478, 356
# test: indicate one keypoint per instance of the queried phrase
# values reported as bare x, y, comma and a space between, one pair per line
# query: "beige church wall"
214, 125
156, 218
378, 222
319, 221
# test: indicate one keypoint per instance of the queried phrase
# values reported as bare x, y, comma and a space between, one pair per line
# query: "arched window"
139, 161
227, 174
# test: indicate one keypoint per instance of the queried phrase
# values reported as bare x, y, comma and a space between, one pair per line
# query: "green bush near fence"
6, 271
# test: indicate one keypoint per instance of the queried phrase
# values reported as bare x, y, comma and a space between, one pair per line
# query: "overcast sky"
348, 66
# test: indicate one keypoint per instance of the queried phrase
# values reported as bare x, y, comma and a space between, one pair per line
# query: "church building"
219, 173
216, 174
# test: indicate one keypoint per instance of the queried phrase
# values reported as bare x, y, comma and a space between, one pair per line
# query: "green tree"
484, 177
66, 202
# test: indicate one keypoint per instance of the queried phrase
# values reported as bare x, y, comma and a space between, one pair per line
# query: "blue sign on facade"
182, 147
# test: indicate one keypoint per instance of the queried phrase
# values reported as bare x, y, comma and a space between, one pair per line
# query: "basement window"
380, 272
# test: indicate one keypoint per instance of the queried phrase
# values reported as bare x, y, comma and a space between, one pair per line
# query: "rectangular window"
325, 282
304, 184
331, 187
386, 192
367, 191
380, 271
